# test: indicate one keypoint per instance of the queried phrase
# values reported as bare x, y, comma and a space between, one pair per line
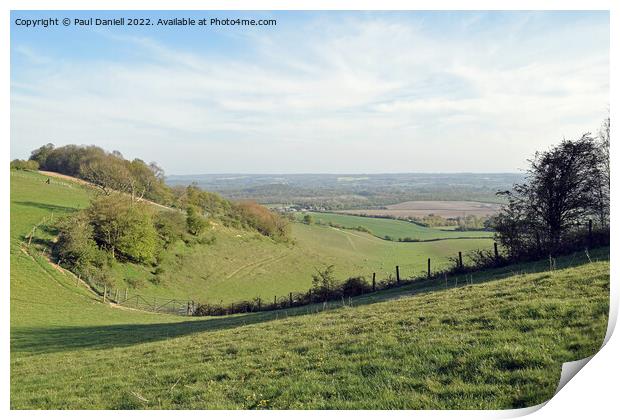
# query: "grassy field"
394, 229
496, 343
239, 264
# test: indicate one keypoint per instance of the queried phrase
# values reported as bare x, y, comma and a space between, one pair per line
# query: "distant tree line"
462, 223
564, 202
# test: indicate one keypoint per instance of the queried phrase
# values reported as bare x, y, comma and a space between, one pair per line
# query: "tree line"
564, 203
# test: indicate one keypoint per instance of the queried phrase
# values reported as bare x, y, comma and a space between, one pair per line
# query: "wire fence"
457, 273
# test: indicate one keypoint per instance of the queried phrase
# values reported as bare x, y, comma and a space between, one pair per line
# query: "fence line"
296, 299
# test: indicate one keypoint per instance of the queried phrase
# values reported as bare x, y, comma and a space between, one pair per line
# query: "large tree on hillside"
559, 194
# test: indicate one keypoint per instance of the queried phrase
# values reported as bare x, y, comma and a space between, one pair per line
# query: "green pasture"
393, 229
239, 264
496, 339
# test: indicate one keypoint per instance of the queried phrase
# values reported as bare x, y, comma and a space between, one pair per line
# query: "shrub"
75, 247
355, 286
324, 284
170, 226
264, 220
124, 227
195, 222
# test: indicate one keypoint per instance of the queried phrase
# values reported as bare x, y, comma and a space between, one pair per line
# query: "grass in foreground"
498, 344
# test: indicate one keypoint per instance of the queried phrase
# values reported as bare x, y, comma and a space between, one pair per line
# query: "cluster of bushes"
408, 239
473, 222
24, 165
339, 226
112, 172
116, 228
325, 287
462, 223
241, 215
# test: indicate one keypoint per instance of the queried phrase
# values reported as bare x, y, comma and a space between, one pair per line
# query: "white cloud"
366, 95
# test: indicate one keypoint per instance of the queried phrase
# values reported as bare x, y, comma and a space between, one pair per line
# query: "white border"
593, 392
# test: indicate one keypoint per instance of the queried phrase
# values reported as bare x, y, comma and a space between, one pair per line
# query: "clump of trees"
116, 228
24, 165
260, 218
108, 171
566, 187
196, 223
111, 172
112, 226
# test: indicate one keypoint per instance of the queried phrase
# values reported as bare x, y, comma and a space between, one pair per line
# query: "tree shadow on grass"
47, 207
50, 340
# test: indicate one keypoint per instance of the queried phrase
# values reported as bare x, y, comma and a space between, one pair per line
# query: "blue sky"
340, 92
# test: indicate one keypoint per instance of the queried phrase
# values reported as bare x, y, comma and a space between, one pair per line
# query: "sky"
320, 92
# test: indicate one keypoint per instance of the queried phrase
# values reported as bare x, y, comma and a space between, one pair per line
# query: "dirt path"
372, 238
257, 264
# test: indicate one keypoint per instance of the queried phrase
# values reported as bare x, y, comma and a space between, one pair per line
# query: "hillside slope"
498, 344
239, 264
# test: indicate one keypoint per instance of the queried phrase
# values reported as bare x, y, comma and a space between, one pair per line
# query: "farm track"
374, 238
257, 264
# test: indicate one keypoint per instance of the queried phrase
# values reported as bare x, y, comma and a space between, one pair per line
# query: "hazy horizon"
342, 173
337, 92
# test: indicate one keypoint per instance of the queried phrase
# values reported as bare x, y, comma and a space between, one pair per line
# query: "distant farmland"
448, 209
393, 229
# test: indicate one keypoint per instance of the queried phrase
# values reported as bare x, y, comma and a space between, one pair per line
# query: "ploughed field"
238, 264
447, 209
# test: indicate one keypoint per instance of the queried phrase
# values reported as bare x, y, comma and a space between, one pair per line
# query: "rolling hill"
495, 340
238, 264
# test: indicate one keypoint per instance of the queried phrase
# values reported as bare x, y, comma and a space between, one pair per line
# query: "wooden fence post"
397, 275
274, 301
105, 290
259, 304
290, 298
116, 296
187, 308
374, 282
428, 271
125, 293
460, 259
496, 252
